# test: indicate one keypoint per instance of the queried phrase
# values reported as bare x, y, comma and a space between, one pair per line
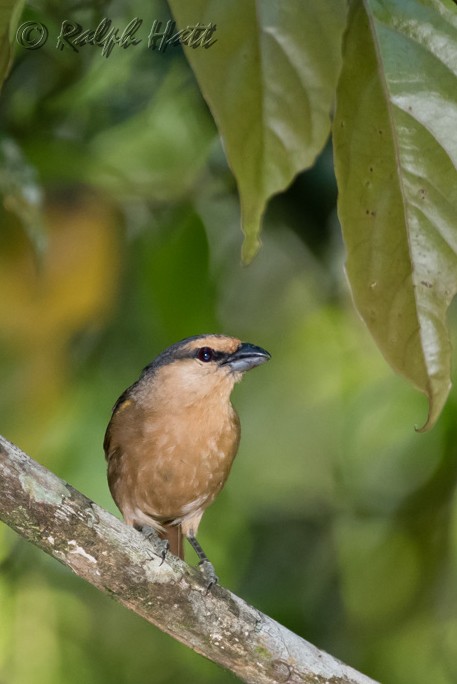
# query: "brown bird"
173, 436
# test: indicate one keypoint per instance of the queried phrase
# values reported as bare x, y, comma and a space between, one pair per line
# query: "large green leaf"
395, 147
269, 80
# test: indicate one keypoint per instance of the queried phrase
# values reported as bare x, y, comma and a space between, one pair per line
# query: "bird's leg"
151, 534
207, 567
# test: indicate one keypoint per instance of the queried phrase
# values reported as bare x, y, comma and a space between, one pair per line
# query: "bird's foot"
205, 565
160, 545
209, 574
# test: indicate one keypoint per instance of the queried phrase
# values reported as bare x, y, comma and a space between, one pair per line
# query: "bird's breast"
192, 456
178, 461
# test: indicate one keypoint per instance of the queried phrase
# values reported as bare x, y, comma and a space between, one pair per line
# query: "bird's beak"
245, 357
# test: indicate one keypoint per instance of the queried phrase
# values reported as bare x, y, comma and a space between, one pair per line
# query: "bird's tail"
173, 534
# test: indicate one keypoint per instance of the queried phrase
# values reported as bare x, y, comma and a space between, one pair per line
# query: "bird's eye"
205, 354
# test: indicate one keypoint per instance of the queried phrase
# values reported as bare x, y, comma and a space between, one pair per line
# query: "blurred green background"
119, 234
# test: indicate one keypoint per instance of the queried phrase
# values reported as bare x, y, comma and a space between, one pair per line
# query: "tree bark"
170, 594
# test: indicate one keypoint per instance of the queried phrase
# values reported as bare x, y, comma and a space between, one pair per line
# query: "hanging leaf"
395, 148
269, 79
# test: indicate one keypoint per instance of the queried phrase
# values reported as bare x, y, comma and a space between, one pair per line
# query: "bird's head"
201, 365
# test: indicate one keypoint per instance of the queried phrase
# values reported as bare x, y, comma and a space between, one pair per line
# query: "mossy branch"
116, 559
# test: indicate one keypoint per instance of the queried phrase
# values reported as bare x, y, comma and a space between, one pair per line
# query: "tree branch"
120, 562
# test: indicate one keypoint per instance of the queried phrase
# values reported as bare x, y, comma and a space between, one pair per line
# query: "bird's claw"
209, 574
161, 546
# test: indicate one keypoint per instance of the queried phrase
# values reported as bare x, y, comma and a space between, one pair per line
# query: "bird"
173, 436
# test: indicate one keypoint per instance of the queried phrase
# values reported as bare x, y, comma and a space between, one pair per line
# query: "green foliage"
10, 12
338, 518
270, 84
179, 147
394, 148
395, 158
